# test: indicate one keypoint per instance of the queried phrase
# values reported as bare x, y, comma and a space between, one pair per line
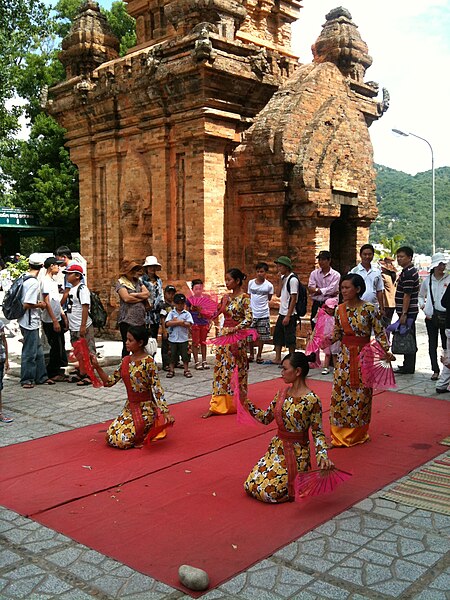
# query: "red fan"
243, 417
376, 371
318, 482
81, 352
233, 338
206, 305
158, 426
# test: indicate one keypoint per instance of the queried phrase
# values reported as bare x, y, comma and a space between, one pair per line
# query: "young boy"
261, 292
179, 321
169, 292
200, 327
78, 303
4, 366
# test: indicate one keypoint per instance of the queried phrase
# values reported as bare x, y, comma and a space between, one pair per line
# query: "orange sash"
354, 344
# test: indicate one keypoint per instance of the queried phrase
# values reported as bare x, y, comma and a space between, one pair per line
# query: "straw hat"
152, 261
128, 265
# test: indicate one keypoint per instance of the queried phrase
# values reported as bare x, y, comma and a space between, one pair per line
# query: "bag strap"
430, 285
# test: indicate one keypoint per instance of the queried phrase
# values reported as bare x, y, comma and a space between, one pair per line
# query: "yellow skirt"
349, 436
222, 405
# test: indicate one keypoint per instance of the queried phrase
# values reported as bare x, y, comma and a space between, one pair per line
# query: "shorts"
75, 335
178, 349
2, 372
285, 336
199, 334
262, 326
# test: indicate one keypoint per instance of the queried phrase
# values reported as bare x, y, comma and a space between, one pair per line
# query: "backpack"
302, 296
97, 311
12, 302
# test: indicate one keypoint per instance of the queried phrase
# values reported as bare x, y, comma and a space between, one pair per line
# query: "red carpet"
182, 500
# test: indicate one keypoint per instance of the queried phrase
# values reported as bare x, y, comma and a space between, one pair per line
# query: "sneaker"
4, 419
325, 371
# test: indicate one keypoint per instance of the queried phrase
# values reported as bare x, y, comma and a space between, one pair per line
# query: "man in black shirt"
406, 300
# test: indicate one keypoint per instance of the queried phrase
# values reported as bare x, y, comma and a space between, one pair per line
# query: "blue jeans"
32, 368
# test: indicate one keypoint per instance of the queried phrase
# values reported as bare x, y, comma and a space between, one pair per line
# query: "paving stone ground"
377, 550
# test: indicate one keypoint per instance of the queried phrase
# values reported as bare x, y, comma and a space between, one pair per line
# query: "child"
179, 321
324, 328
4, 366
200, 327
169, 292
261, 292
80, 323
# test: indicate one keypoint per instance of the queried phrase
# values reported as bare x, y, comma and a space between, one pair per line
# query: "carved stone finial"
203, 49
259, 63
89, 43
341, 44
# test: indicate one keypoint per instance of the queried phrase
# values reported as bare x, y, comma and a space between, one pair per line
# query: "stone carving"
203, 48
153, 60
259, 62
384, 104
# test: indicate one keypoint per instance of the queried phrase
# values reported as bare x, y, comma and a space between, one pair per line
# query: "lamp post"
433, 198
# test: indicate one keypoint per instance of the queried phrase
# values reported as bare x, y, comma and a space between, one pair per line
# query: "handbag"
439, 316
403, 342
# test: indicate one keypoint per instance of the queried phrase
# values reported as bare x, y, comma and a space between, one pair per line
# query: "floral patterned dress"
268, 480
238, 315
143, 375
351, 405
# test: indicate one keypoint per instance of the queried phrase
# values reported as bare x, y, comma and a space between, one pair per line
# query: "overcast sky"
409, 41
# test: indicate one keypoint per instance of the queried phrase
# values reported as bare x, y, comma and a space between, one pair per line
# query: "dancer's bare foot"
208, 414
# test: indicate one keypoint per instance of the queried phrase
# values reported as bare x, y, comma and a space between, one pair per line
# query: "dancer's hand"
169, 418
94, 360
325, 463
389, 356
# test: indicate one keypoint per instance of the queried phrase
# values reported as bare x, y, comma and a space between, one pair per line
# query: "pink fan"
376, 371
243, 417
205, 304
233, 338
81, 352
318, 482
324, 328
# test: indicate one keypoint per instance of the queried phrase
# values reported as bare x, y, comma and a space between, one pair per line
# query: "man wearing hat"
286, 325
32, 366
54, 322
323, 283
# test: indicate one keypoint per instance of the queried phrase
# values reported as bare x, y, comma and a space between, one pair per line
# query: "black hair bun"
311, 357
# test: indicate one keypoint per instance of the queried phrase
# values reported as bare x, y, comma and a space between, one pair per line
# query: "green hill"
405, 208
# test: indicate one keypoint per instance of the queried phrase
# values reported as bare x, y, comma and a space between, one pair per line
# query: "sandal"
48, 382
28, 386
59, 378
259, 361
198, 366
84, 381
5, 419
170, 374
205, 365
188, 374
251, 359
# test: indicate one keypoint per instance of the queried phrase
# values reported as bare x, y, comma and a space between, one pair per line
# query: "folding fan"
158, 426
376, 370
233, 338
243, 417
313, 346
318, 482
205, 304
81, 352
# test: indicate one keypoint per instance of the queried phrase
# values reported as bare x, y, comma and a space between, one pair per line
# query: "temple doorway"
343, 239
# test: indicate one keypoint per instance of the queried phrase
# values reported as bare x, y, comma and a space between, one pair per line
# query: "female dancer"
133, 299
145, 394
238, 315
295, 410
351, 402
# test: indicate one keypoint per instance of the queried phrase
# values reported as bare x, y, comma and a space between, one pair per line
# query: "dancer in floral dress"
351, 402
238, 315
145, 394
295, 410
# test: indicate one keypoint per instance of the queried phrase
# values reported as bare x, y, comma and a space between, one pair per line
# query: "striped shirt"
408, 283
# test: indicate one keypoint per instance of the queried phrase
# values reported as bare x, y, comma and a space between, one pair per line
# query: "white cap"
35, 260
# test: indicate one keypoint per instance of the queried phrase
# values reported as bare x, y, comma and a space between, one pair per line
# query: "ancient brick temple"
209, 145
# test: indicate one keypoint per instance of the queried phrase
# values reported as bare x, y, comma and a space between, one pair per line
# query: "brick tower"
153, 133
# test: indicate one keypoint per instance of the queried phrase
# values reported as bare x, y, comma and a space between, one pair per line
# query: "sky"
409, 41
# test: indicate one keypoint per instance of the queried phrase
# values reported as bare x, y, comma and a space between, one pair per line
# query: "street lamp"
433, 198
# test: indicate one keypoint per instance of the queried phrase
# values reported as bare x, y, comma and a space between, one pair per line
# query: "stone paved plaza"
375, 550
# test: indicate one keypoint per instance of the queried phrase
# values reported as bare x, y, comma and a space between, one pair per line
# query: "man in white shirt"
372, 277
54, 321
261, 291
32, 367
286, 325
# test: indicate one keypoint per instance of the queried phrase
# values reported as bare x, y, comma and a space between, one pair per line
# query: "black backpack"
12, 302
97, 311
302, 296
